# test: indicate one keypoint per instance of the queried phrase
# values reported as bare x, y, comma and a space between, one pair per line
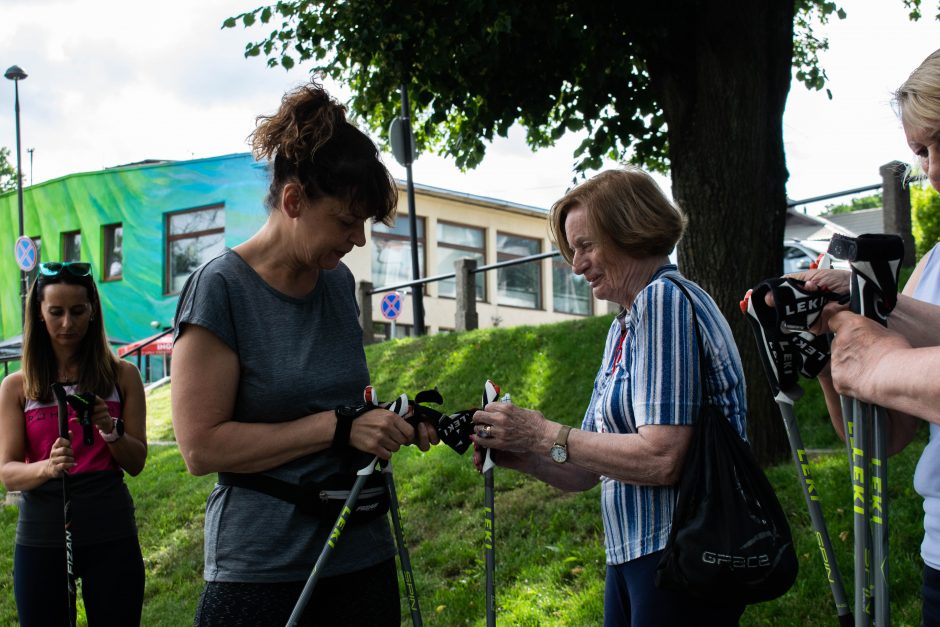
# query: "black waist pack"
324, 499
730, 540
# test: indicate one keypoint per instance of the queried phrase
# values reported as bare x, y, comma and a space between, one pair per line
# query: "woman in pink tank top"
64, 342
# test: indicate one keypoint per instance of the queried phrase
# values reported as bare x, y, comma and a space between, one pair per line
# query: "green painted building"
144, 227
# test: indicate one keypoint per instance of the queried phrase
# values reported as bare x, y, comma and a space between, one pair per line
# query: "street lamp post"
16, 74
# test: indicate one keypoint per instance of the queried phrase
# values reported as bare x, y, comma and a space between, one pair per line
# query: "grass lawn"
550, 559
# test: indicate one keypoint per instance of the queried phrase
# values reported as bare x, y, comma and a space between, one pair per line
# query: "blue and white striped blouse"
656, 381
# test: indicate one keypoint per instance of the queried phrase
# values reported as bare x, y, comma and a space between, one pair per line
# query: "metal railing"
452, 275
465, 291
847, 192
139, 350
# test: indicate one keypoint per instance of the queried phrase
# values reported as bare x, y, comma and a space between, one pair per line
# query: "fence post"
896, 197
466, 288
365, 312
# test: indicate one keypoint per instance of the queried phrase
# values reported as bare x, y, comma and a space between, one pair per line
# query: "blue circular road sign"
391, 305
26, 254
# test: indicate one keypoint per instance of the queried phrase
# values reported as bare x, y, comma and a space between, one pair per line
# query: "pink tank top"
42, 429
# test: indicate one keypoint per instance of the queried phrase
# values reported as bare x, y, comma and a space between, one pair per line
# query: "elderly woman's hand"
508, 427
504, 459
857, 348
825, 280
828, 280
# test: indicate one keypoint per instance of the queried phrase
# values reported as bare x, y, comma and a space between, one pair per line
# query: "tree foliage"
463, 64
873, 201
925, 217
7, 171
914, 11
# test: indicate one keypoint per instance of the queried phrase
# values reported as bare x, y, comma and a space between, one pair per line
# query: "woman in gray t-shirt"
268, 345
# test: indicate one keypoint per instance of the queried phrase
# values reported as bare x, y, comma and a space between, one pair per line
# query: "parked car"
799, 255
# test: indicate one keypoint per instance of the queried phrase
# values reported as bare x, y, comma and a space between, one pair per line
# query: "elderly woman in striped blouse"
617, 230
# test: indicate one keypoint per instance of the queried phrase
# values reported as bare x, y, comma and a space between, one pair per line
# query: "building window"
571, 293
519, 285
194, 236
31, 275
72, 246
453, 242
383, 330
391, 252
112, 240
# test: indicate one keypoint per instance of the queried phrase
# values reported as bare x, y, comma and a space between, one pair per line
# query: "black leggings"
366, 597
930, 610
112, 575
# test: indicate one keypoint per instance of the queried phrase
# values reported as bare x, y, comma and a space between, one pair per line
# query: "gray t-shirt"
296, 356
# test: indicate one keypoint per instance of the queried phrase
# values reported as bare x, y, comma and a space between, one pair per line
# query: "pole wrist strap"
345, 414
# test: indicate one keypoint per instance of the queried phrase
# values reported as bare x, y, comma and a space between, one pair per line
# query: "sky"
118, 81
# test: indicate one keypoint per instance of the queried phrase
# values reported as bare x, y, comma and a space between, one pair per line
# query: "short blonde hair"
625, 209
917, 100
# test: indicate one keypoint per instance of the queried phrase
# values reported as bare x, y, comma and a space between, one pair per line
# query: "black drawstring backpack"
730, 540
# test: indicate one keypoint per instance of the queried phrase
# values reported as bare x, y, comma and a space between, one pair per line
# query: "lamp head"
15, 73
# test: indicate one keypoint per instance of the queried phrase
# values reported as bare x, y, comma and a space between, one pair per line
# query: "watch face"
119, 427
559, 453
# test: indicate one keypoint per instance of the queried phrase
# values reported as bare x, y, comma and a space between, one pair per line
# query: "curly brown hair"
309, 140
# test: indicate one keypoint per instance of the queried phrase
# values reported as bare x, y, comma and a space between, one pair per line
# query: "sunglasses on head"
75, 268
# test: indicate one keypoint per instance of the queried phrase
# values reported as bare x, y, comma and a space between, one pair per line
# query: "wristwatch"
116, 433
559, 450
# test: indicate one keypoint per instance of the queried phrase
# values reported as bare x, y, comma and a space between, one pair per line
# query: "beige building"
452, 225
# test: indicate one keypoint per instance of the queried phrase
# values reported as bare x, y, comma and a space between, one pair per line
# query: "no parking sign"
391, 305
26, 254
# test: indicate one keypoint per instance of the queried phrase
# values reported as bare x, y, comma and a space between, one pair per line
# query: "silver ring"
485, 431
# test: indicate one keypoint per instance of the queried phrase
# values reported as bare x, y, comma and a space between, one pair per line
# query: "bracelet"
344, 419
116, 433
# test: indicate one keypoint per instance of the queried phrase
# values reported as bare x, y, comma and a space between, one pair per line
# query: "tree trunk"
728, 166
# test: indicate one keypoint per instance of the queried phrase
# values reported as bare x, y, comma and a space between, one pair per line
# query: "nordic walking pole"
490, 394
843, 612
403, 557
759, 314
860, 451
879, 513
361, 477
420, 413
60, 396
876, 262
